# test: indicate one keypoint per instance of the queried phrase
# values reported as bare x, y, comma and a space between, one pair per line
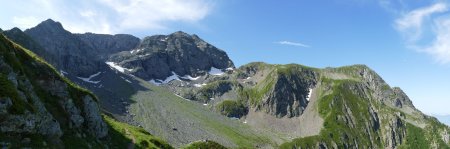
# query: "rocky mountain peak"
180, 34
51, 26
159, 56
64, 50
15, 29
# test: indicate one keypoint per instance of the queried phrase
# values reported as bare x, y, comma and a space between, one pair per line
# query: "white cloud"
154, 13
106, 16
292, 44
427, 30
440, 48
411, 23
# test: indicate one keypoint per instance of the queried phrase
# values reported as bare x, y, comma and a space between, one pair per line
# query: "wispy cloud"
427, 30
106, 16
298, 44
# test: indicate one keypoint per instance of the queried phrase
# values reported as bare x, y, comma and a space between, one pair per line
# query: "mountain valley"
179, 91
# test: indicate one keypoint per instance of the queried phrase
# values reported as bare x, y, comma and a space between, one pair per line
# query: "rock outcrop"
288, 96
158, 56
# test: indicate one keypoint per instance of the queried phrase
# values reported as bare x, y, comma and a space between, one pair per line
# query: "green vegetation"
231, 108
124, 135
256, 93
16, 140
204, 145
293, 69
8, 90
215, 88
415, 138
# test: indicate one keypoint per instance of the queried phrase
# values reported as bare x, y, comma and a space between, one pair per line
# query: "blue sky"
406, 42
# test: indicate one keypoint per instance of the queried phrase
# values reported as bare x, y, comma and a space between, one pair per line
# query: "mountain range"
182, 89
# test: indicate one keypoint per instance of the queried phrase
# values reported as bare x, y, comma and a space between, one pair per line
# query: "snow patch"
144, 55
158, 82
126, 79
215, 71
188, 77
117, 67
205, 104
198, 85
234, 118
245, 122
309, 94
154, 82
229, 69
136, 51
174, 76
90, 77
62, 72
182, 97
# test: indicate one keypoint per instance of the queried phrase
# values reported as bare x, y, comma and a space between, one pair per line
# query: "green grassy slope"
28, 65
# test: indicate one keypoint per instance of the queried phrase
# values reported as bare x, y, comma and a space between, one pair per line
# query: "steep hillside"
39, 108
111, 87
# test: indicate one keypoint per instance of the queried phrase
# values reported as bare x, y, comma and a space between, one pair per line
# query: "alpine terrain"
119, 91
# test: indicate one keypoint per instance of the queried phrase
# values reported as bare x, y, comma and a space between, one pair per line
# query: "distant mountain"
159, 56
41, 109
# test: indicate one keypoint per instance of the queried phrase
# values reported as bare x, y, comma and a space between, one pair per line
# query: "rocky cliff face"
36, 101
106, 45
158, 56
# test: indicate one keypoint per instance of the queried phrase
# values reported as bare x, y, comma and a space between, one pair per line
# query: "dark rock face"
401, 99
288, 97
65, 50
157, 56
396, 133
108, 44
